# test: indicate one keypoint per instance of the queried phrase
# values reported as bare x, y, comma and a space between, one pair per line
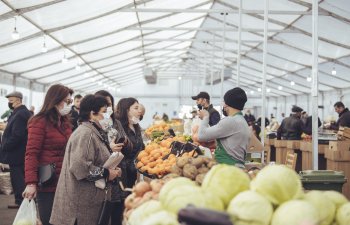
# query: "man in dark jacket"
249, 117
74, 113
14, 143
344, 116
291, 127
203, 102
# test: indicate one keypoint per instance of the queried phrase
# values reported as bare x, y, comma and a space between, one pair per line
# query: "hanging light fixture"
44, 48
308, 79
15, 34
259, 89
64, 59
268, 90
292, 83
280, 88
252, 92
78, 67
334, 72
180, 78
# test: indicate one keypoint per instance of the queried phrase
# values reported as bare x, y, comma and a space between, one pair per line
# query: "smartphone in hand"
120, 140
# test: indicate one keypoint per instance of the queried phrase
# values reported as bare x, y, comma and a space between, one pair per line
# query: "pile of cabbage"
274, 197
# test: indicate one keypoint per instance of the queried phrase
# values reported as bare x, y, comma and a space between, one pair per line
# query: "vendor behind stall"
344, 116
232, 133
291, 127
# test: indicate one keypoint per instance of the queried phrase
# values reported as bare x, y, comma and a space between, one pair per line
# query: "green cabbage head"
178, 198
277, 183
324, 206
251, 208
337, 198
295, 212
144, 211
161, 218
175, 183
343, 214
226, 182
212, 201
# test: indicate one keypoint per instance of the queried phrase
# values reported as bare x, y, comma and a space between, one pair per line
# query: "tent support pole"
314, 91
239, 43
223, 58
263, 89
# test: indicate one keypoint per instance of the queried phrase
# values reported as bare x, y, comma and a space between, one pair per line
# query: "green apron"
221, 156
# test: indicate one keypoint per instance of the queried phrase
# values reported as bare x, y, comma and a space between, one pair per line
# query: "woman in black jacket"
127, 121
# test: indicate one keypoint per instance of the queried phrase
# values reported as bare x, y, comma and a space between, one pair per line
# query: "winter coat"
343, 121
214, 115
14, 138
77, 198
46, 144
291, 128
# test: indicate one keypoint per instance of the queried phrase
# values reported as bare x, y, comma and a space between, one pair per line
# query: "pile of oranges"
150, 159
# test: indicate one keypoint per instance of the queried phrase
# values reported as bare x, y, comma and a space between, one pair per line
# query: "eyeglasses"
68, 101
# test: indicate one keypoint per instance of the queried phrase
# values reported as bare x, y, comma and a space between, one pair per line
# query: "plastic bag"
26, 214
5, 183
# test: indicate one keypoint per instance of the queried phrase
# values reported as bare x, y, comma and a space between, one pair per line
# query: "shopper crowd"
58, 155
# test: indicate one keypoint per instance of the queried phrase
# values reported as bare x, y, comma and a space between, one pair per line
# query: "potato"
190, 171
211, 164
198, 162
182, 161
203, 169
176, 170
200, 178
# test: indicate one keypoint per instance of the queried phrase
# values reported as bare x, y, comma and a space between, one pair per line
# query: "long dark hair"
56, 94
123, 107
107, 94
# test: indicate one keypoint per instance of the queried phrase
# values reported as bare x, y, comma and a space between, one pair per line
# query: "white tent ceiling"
114, 40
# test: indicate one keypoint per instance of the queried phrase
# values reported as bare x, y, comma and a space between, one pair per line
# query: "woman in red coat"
48, 134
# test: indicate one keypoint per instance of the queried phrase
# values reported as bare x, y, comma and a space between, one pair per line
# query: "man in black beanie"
232, 133
291, 127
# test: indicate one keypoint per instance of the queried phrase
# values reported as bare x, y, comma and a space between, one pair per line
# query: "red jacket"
46, 144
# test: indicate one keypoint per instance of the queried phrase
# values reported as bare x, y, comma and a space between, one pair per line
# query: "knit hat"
235, 98
296, 109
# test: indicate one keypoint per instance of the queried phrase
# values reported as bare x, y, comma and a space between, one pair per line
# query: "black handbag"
105, 211
47, 174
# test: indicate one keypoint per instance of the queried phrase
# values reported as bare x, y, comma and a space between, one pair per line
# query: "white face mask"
109, 111
135, 120
65, 110
106, 122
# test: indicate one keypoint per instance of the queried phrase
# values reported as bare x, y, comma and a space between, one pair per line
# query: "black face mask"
141, 117
10, 104
200, 107
224, 112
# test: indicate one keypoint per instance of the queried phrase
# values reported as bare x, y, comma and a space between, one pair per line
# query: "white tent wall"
32, 96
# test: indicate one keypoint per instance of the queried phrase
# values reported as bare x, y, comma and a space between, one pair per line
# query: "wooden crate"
339, 145
341, 166
280, 143
268, 141
293, 144
307, 161
305, 146
281, 154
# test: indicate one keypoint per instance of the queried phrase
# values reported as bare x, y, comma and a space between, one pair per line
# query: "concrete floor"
6, 215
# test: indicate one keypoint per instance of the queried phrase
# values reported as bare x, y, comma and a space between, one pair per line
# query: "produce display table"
270, 146
281, 153
306, 150
338, 159
294, 146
